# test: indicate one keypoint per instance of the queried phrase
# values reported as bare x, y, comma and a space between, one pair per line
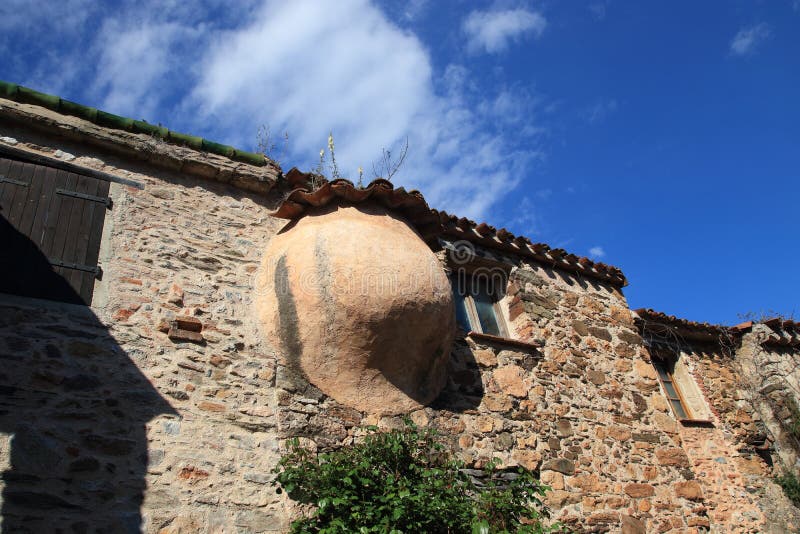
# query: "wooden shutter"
61, 214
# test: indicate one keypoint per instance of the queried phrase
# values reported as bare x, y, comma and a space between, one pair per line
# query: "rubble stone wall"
157, 405
163, 408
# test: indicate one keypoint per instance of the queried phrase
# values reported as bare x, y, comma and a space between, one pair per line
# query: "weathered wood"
32, 200
39, 159
93, 247
62, 214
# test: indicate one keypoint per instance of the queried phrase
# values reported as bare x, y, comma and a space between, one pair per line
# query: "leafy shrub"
404, 481
791, 487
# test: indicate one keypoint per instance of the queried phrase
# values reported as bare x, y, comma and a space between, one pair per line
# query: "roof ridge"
25, 95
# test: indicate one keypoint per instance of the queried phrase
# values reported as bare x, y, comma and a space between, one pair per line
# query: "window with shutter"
51, 222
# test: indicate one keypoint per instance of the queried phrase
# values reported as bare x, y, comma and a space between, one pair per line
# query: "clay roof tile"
429, 222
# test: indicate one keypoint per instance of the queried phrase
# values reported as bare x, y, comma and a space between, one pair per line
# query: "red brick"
123, 314
211, 406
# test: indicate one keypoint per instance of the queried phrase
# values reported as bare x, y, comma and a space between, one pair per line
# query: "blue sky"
660, 137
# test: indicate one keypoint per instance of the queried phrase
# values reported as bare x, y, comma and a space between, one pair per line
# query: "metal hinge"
3, 179
96, 270
84, 196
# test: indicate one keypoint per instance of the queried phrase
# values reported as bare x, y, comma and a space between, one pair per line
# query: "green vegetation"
791, 486
793, 424
404, 481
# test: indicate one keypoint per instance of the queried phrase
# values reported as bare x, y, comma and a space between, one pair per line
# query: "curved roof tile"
431, 223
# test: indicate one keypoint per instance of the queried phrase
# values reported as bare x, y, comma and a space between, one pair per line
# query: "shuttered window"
52, 222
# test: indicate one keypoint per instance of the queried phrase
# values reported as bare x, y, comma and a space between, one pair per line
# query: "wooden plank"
21, 195
9, 190
16, 153
61, 224
5, 165
32, 201
73, 228
87, 186
93, 247
47, 187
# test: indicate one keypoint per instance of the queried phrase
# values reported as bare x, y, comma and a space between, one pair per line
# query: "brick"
177, 334
185, 322
211, 406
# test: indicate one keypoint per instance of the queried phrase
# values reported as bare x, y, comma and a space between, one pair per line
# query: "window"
476, 297
51, 224
676, 401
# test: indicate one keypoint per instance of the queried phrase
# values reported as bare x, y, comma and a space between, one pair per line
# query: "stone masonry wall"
162, 408
736, 479
774, 383
580, 405
126, 408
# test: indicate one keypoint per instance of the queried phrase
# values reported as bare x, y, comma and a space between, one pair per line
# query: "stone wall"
774, 383
155, 406
580, 405
163, 407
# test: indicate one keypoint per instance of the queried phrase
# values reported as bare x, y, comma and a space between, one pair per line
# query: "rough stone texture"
360, 307
103, 404
117, 426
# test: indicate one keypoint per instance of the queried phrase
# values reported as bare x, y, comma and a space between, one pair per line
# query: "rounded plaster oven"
358, 303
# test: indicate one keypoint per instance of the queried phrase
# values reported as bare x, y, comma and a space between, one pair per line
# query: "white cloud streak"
747, 40
307, 69
597, 252
492, 31
372, 84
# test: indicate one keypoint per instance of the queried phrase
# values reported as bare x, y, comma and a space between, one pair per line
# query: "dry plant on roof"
388, 165
269, 146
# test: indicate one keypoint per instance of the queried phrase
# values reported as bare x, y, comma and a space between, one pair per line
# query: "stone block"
673, 456
637, 490
631, 525
510, 380
561, 465
689, 489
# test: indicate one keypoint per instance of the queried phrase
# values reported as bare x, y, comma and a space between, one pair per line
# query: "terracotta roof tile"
648, 314
661, 326
431, 223
409, 204
503, 240
785, 332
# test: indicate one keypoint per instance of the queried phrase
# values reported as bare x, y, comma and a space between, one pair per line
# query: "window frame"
667, 368
467, 275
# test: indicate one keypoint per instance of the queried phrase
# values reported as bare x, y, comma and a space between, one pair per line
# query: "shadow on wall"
464, 387
74, 403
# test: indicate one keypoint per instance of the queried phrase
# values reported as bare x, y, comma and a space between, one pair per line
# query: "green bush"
791, 486
404, 481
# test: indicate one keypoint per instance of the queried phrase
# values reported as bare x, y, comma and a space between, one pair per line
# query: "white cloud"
492, 31
136, 65
747, 39
601, 110
414, 8
305, 68
597, 252
356, 74
599, 9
